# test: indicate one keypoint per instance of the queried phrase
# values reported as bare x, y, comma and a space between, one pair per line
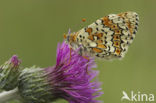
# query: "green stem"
9, 95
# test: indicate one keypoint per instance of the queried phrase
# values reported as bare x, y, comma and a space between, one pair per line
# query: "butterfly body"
108, 37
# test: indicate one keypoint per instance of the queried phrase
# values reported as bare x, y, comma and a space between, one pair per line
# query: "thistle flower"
9, 73
71, 79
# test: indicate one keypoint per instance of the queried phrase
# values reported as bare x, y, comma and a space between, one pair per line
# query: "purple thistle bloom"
71, 77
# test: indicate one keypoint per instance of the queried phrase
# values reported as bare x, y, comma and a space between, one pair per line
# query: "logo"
137, 96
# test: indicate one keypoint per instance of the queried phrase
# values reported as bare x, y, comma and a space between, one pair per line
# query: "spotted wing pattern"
108, 37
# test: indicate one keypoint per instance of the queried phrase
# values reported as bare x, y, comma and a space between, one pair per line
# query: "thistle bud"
9, 73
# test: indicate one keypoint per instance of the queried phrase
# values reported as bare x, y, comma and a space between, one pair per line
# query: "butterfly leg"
70, 56
87, 58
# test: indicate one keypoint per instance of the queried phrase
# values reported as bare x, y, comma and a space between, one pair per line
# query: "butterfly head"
70, 37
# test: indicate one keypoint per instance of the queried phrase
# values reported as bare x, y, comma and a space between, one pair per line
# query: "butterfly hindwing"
108, 37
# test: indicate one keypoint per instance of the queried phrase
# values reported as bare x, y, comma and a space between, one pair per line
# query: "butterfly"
108, 37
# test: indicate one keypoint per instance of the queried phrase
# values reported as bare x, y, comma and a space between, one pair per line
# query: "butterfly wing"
109, 37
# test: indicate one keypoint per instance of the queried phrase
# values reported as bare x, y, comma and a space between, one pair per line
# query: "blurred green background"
32, 28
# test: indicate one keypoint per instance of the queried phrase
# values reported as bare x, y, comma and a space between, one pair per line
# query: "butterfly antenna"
69, 31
